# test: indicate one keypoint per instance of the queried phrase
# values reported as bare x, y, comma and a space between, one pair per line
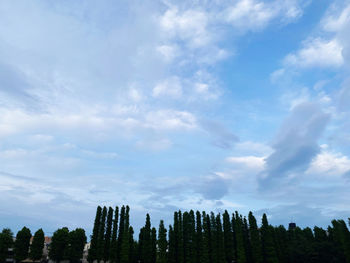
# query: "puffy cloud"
317, 53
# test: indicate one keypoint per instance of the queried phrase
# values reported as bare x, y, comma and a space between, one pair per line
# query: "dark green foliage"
108, 234
59, 245
101, 235
341, 237
162, 243
153, 245
219, 240
206, 256
21, 246
267, 241
120, 233
95, 234
171, 253
254, 239
6, 242
146, 242
125, 239
198, 246
77, 241
36, 248
240, 242
114, 244
228, 237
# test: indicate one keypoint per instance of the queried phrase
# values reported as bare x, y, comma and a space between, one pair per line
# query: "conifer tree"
246, 239
171, 253
342, 237
268, 249
146, 253
101, 236
154, 245
22, 244
199, 239
37, 246
162, 243
213, 238
228, 237
206, 238
254, 239
125, 241
95, 236
180, 240
192, 236
108, 234
241, 252
121, 232
114, 244
219, 240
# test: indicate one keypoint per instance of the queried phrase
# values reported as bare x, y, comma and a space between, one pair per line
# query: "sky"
165, 105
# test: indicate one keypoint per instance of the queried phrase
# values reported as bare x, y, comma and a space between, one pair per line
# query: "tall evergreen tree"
241, 251
95, 236
254, 239
180, 240
59, 245
246, 239
146, 253
153, 245
206, 238
120, 232
114, 244
342, 237
199, 239
219, 240
6, 242
37, 246
22, 244
268, 248
77, 241
162, 243
101, 236
108, 235
125, 241
171, 253
228, 237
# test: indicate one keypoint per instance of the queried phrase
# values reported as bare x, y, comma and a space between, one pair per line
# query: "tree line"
65, 245
200, 237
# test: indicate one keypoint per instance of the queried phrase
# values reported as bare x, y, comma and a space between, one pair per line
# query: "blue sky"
165, 105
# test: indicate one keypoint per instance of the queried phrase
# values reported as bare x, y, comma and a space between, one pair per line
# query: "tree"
120, 232
95, 234
171, 253
199, 239
22, 242
6, 242
219, 240
162, 243
154, 245
59, 245
206, 238
114, 243
268, 248
101, 235
240, 249
146, 249
77, 241
37, 246
108, 234
228, 237
254, 239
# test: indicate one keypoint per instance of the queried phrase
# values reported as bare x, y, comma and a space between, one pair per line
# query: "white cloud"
330, 164
317, 52
252, 163
170, 87
337, 19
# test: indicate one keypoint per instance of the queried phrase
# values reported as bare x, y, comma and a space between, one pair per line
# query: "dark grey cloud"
214, 188
221, 136
296, 144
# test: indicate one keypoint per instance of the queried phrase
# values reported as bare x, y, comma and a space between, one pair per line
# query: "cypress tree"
186, 238
114, 244
95, 235
180, 240
22, 244
177, 235
125, 241
108, 234
246, 239
162, 243
219, 240
192, 236
342, 238
206, 238
154, 245
234, 231
254, 239
268, 249
146, 253
281, 243
120, 232
228, 237
241, 252
101, 236
213, 238
199, 239
171, 253
37, 246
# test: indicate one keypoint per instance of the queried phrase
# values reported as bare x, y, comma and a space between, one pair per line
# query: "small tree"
59, 245
37, 246
6, 242
77, 241
22, 244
